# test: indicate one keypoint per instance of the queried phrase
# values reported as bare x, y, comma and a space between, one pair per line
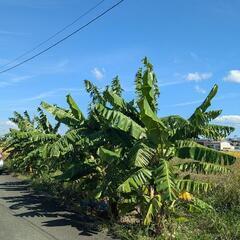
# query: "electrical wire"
63, 39
53, 36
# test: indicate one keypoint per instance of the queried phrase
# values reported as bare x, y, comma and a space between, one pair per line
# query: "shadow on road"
28, 204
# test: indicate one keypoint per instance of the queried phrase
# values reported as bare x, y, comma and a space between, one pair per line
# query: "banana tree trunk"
113, 209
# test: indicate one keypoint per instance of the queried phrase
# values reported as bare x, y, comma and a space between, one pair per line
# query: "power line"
63, 39
53, 36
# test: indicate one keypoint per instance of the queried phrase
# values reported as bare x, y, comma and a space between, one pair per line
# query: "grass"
222, 223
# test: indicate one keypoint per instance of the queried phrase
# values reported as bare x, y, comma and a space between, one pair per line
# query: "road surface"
25, 215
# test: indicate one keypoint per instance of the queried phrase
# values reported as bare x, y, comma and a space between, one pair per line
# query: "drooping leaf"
192, 185
205, 154
165, 181
115, 100
75, 109
61, 115
140, 155
202, 167
117, 120
155, 128
76, 171
108, 155
137, 179
63, 145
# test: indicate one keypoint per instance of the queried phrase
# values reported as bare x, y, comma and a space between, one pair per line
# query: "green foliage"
146, 85
118, 120
61, 115
25, 145
123, 152
116, 86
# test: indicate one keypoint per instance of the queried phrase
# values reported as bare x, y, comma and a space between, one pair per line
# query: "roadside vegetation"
124, 163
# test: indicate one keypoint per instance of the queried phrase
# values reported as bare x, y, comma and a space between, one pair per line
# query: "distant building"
235, 142
226, 146
222, 145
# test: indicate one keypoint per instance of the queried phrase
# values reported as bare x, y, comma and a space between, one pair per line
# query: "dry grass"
235, 154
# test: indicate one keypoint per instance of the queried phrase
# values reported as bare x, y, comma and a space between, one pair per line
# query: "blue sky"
192, 44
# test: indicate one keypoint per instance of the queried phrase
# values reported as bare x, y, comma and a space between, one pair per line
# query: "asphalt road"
25, 215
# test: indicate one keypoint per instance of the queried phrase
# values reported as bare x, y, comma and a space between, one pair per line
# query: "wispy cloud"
53, 68
52, 93
170, 83
4, 32
17, 108
194, 102
233, 76
232, 120
56, 68
14, 80
161, 84
194, 56
98, 73
199, 89
31, 3
62, 64
185, 103
197, 76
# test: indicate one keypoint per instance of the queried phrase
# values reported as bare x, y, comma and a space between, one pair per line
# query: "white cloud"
197, 77
10, 124
233, 76
199, 89
5, 126
98, 73
233, 120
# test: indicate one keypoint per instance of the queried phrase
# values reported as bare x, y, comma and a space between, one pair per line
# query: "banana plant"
75, 152
25, 144
199, 123
152, 179
122, 151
